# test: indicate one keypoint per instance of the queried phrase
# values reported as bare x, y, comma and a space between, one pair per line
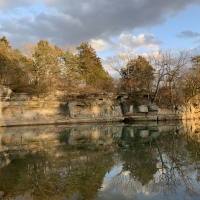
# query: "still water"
101, 162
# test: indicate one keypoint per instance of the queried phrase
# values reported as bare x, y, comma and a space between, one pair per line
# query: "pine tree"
70, 71
90, 67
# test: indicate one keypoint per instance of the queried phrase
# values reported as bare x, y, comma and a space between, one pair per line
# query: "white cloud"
76, 21
99, 45
133, 43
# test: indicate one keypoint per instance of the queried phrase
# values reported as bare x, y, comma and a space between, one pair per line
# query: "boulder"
153, 108
141, 109
5, 93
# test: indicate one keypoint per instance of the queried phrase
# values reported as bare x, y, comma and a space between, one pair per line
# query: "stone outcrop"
59, 108
5, 93
29, 111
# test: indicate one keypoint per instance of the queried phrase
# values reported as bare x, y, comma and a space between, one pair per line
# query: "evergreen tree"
138, 74
70, 71
91, 69
11, 72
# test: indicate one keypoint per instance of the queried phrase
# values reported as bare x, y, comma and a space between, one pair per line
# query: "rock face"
21, 109
5, 93
29, 111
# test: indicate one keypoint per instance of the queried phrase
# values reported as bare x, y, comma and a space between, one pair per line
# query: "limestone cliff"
60, 108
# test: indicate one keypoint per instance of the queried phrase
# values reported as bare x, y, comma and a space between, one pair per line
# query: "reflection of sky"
109, 193
114, 171
128, 188
106, 192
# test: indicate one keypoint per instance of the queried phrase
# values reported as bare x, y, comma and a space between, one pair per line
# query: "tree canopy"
44, 67
91, 69
139, 73
167, 76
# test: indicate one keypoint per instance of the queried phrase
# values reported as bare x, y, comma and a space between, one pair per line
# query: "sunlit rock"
141, 109
52, 109
5, 93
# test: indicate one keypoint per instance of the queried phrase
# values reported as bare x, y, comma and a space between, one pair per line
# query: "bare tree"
119, 62
169, 65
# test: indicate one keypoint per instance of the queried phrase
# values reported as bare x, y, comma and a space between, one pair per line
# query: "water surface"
101, 162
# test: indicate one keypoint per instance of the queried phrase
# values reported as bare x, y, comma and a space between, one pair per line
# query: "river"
110, 161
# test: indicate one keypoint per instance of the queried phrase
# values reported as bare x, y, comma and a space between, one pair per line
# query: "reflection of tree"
175, 166
194, 150
86, 178
163, 164
141, 163
172, 164
167, 163
49, 177
138, 168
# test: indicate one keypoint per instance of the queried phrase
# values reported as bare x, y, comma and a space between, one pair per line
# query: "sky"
110, 26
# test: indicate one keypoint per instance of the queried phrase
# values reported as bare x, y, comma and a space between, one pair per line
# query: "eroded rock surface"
21, 109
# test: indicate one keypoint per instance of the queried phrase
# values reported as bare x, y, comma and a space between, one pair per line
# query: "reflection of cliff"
52, 176
193, 129
38, 138
47, 162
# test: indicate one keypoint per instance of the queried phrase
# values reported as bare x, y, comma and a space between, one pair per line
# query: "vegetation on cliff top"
168, 77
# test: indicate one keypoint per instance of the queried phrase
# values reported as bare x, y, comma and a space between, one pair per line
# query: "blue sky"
110, 26
185, 20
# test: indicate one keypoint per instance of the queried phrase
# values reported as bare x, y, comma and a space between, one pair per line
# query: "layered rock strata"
21, 109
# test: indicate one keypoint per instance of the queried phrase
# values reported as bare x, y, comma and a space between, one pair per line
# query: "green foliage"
70, 70
46, 62
11, 66
138, 74
5, 60
44, 67
91, 69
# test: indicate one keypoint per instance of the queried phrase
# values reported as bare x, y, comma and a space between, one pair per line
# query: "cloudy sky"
110, 26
